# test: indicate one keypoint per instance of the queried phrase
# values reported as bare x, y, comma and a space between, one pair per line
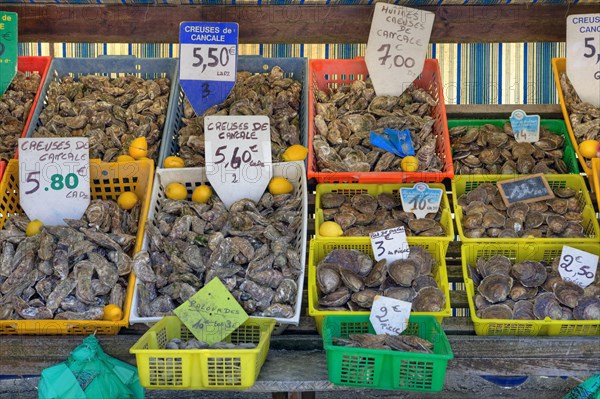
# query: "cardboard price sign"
583, 56
397, 47
238, 156
390, 244
212, 313
577, 266
389, 315
207, 62
421, 200
54, 178
8, 48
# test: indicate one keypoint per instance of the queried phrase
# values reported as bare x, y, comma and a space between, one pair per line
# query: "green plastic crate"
386, 369
555, 126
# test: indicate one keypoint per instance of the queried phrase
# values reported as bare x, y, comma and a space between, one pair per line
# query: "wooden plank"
285, 23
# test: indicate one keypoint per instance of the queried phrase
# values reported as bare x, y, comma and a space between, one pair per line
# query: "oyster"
495, 288
546, 305
529, 273
429, 299
568, 293
497, 311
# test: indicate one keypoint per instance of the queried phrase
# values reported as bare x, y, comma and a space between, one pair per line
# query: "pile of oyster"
345, 116
402, 343
270, 94
486, 215
15, 105
111, 112
530, 290
251, 248
489, 149
362, 214
584, 117
177, 343
67, 272
350, 279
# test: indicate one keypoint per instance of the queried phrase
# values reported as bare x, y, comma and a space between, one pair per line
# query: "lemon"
330, 229
127, 200
112, 312
589, 148
33, 227
409, 164
202, 194
174, 162
138, 148
296, 152
280, 185
125, 158
176, 191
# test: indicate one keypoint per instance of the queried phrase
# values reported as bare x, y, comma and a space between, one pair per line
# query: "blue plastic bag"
394, 141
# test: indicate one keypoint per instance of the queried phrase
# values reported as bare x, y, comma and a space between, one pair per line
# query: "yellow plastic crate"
596, 179
465, 183
207, 369
319, 249
107, 181
516, 253
559, 65
350, 190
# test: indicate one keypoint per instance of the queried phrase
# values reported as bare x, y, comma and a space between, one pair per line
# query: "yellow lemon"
409, 164
280, 185
138, 148
202, 194
330, 229
176, 191
296, 152
589, 148
127, 200
174, 162
33, 227
112, 312
125, 158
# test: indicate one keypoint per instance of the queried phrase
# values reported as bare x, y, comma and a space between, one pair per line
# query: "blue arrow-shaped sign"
207, 62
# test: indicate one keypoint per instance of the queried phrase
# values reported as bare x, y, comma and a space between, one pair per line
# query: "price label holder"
212, 313
389, 315
238, 156
397, 47
207, 62
577, 266
421, 200
531, 188
390, 244
54, 176
8, 48
583, 56
525, 127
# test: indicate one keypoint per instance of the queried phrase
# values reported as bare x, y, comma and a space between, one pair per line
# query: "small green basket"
386, 369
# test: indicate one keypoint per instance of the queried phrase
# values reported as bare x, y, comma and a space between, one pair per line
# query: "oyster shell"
495, 288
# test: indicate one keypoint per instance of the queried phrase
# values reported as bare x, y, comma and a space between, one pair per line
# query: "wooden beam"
141, 23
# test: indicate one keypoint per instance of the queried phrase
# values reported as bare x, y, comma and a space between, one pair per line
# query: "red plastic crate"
329, 73
28, 65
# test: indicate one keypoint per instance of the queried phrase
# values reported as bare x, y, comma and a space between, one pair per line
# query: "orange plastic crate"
596, 180
28, 65
324, 74
2, 167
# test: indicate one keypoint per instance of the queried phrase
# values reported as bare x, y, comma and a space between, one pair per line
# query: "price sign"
390, 244
212, 313
54, 178
207, 62
389, 315
421, 200
531, 188
397, 47
525, 127
8, 49
238, 156
583, 56
577, 266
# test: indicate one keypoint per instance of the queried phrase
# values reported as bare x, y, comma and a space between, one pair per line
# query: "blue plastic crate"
295, 68
113, 66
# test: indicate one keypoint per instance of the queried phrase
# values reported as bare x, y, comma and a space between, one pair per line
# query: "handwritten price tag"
577, 266
397, 47
238, 156
8, 48
531, 188
390, 244
212, 313
54, 178
389, 315
207, 62
421, 200
583, 56
525, 127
